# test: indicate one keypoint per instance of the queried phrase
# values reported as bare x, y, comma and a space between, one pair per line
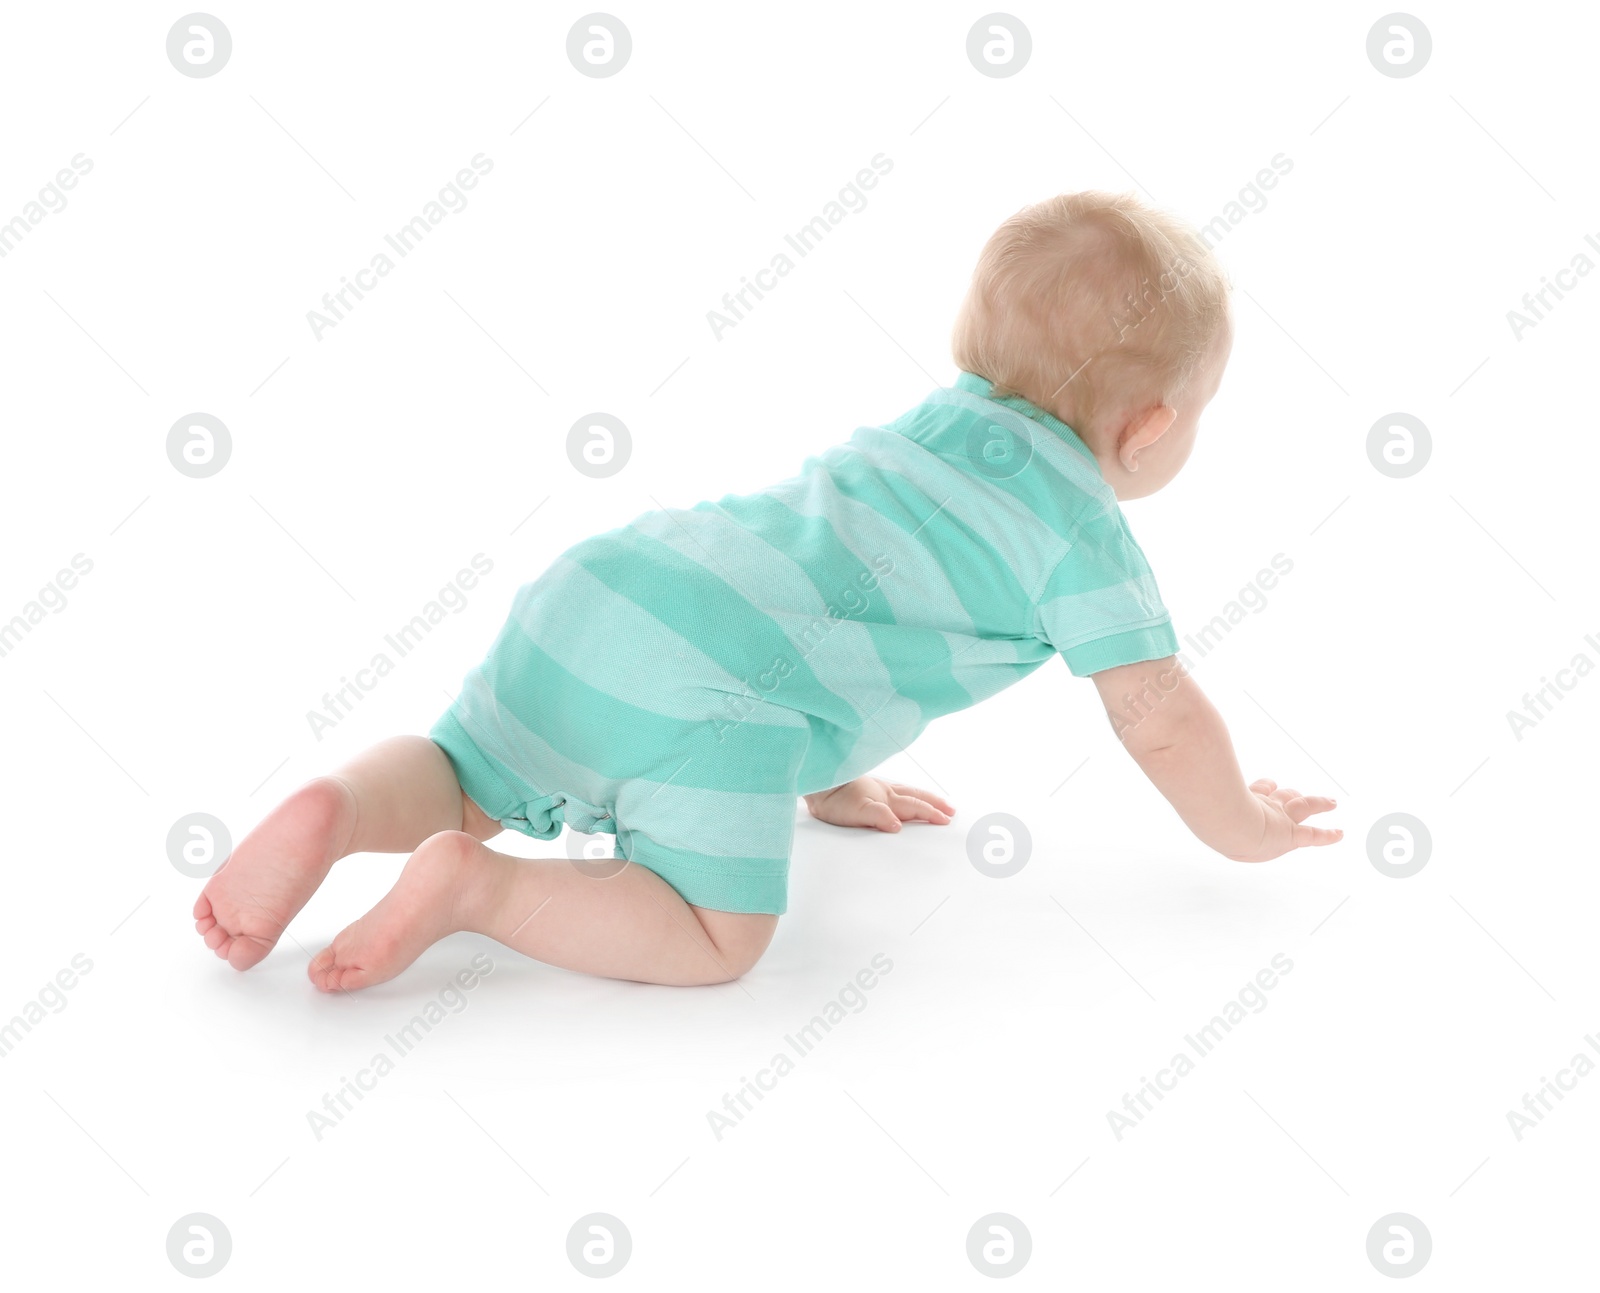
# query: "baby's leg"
388, 800
632, 925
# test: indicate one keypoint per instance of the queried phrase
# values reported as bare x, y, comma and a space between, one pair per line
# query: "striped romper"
678, 682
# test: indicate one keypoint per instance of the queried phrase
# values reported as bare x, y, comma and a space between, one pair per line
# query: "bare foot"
276, 868
445, 885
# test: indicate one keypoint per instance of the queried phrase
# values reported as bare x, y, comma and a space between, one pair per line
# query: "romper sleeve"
1100, 607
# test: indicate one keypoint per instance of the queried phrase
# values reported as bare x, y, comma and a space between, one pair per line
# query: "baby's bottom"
402, 795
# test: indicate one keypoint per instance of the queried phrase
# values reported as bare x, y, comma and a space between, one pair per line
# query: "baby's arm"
1180, 741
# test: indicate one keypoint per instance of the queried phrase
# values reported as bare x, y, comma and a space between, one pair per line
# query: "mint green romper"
679, 681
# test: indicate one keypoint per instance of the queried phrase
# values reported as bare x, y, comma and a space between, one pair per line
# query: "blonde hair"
1087, 294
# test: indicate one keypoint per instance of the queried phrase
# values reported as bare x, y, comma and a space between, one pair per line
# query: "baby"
678, 682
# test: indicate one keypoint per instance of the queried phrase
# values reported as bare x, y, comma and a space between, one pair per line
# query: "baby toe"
245, 951
321, 968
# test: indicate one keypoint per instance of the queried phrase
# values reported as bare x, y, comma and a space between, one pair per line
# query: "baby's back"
898, 577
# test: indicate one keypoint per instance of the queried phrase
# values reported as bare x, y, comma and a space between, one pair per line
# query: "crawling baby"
678, 682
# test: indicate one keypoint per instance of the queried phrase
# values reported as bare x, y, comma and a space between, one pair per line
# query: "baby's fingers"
911, 809
1314, 836
1303, 806
926, 796
878, 816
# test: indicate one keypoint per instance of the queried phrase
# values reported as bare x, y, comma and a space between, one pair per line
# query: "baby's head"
1109, 315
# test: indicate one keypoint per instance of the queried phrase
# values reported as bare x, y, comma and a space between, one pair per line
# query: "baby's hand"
1284, 813
878, 805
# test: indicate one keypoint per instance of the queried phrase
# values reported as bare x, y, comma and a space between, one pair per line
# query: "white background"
369, 465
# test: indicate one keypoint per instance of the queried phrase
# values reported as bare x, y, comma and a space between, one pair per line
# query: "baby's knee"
449, 848
739, 937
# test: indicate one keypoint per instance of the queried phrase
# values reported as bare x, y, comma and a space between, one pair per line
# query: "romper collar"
981, 386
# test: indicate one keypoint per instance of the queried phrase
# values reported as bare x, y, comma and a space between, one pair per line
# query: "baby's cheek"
1181, 449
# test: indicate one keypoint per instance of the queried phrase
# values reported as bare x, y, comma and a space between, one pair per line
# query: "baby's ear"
1142, 432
